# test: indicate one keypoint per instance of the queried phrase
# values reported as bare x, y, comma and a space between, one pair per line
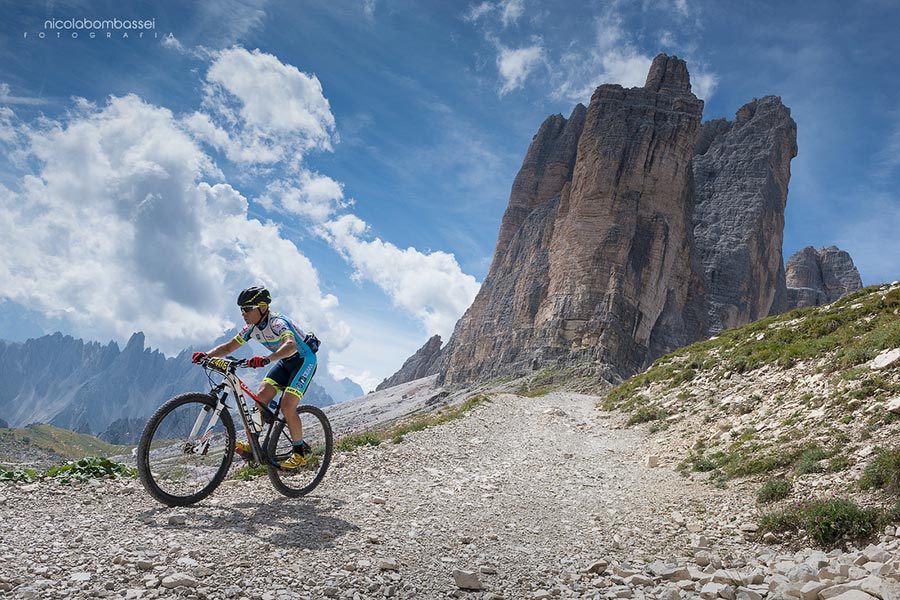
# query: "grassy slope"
61, 442
792, 393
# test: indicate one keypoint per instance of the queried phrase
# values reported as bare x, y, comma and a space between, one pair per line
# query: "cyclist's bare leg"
265, 393
289, 404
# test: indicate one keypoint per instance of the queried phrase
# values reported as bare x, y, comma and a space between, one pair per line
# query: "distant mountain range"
110, 392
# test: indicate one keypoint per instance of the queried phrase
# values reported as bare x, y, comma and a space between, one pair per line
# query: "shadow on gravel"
300, 523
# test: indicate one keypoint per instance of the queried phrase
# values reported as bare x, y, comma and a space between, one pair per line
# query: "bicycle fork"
202, 446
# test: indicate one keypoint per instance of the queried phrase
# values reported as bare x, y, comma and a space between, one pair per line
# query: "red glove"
257, 362
198, 356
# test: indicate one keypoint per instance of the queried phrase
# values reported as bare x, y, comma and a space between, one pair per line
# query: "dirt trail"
525, 492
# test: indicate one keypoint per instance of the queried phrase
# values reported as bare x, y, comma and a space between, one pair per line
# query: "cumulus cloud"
516, 64
119, 229
432, 287
310, 195
262, 110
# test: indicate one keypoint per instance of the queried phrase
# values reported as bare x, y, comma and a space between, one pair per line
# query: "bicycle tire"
294, 484
144, 467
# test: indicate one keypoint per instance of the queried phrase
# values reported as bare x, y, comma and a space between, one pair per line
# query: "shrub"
809, 461
646, 414
250, 472
777, 488
883, 472
90, 467
26, 475
351, 442
827, 521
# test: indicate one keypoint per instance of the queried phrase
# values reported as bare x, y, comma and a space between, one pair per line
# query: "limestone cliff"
817, 277
632, 230
741, 172
604, 257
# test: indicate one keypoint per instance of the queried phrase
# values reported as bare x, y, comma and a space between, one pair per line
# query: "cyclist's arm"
285, 349
224, 349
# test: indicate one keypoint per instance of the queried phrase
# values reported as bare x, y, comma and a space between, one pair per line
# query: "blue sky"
357, 156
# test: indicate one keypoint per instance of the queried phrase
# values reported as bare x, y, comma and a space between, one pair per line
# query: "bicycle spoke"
185, 460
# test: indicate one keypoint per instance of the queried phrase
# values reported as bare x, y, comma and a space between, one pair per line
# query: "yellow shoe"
243, 450
294, 462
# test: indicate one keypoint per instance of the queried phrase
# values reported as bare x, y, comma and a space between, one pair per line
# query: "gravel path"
525, 493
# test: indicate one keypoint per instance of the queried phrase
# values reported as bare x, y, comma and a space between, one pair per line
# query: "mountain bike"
187, 446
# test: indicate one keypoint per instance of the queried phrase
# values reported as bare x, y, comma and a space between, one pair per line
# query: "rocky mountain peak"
668, 73
817, 277
135, 343
421, 364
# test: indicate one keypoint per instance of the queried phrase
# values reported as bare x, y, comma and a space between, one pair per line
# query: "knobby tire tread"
143, 453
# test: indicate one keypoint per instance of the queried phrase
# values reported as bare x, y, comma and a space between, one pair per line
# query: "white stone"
886, 358
651, 461
811, 589
177, 580
467, 580
388, 564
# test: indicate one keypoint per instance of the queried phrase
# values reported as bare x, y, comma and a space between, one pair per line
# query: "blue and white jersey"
272, 332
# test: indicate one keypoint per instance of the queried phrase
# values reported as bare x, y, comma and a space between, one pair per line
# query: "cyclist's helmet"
254, 296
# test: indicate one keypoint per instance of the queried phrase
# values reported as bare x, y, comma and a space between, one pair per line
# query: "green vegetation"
397, 431
67, 444
777, 488
352, 441
26, 475
883, 472
543, 382
646, 414
91, 467
829, 521
745, 456
250, 472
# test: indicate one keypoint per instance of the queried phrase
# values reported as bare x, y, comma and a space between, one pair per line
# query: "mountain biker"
295, 366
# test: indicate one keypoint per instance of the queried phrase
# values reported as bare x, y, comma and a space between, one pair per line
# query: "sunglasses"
246, 309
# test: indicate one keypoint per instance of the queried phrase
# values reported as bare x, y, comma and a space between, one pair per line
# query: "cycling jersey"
271, 332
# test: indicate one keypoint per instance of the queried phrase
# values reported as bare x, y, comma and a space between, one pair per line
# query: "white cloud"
613, 58
369, 8
704, 84
431, 287
118, 230
310, 195
7, 98
275, 111
511, 11
682, 7
477, 11
516, 64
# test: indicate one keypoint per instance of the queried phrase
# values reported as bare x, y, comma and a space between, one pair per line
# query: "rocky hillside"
632, 230
812, 393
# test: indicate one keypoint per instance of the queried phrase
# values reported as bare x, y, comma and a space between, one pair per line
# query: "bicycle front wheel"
316, 433
176, 465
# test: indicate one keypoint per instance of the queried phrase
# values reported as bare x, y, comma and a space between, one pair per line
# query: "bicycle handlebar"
222, 365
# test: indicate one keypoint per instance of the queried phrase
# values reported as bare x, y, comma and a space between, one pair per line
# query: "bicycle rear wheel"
171, 462
316, 433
